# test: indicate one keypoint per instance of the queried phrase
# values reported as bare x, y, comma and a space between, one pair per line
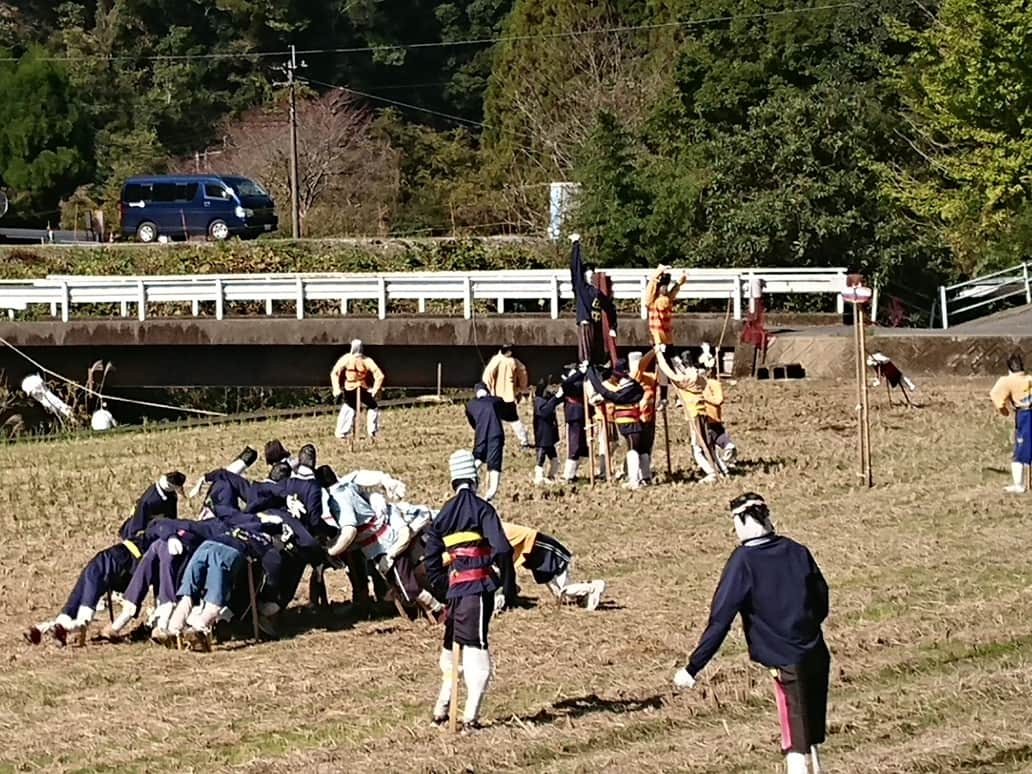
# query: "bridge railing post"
554, 300
381, 298
736, 297
1028, 290
300, 298
644, 285
65, 302
467, 297
220, 299
141, 300
942, 304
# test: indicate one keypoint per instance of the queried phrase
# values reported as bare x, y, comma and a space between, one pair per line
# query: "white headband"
746, 505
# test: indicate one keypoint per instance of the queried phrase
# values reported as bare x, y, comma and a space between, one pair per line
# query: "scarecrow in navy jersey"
109, 570
210, 577
112, 568
546, 432
161, 500
469, 530
573, 409
592, 304
617, 387
485, 414
777, 587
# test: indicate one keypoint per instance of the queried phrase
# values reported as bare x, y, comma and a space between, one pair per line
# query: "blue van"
184, 206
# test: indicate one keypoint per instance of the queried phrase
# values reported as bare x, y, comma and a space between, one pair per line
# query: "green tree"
611, 206
44, 138
968, 88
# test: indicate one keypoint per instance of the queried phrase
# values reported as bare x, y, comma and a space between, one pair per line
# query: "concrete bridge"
280, 352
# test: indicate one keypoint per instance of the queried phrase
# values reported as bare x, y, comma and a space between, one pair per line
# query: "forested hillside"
888, 134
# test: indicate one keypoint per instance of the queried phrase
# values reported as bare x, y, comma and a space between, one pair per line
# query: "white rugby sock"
795, 763
476, 664
444, 696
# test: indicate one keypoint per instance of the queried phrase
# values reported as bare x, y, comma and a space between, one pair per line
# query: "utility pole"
290, 68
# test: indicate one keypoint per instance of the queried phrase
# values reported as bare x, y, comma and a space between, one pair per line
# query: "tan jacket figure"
506, 378
1013, 392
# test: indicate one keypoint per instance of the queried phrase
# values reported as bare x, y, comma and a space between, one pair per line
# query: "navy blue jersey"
777, 587
153, 504
468, 528
627, 393
251, 542
546, 426
268, 496
227, 488
485, 415
591, 302
573, 396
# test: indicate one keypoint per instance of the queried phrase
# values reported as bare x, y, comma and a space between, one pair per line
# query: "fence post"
942, 303
300, 298
840, 302
65, 302
381, 300
736, 297
643, 286
501, 306
141, 300
554, 301
343, 306
123, 309
467, 297
874, 305
1028, 290
752, 300
219, 299
421, 305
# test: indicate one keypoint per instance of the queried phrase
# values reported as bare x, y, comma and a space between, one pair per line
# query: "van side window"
137, 192
215, 191
164, 192
186, 192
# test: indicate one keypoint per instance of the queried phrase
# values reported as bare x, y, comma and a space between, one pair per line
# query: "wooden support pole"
358, 408
865, 412
254, 600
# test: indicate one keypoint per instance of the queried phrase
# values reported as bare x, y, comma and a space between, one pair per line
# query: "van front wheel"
218, 230
147, 232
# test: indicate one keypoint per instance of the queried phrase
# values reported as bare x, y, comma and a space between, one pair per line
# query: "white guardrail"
548, 287
984, 291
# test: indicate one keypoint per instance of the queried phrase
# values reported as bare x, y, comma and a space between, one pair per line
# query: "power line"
454, 43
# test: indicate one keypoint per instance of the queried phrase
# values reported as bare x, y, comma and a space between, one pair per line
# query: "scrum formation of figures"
245, 555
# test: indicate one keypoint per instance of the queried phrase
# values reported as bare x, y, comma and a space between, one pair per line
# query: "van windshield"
244, 186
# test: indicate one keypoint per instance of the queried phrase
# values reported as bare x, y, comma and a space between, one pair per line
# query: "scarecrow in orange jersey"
550, 562
659, 300
690, 383
356, 377
643, 371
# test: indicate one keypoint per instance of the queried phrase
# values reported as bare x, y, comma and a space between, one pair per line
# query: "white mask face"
748, 529
589, 275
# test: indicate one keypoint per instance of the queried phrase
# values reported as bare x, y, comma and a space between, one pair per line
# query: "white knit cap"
633, 360
463, 466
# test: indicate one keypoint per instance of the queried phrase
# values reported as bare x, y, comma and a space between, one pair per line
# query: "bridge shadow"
586, 705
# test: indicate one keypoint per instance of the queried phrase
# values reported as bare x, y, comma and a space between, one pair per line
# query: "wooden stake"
666, 442
589, 433
110, 610
859, 389
453, 712
865, 404
358, 407
438, 381
254, 600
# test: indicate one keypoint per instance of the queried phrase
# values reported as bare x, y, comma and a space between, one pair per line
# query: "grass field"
929, 630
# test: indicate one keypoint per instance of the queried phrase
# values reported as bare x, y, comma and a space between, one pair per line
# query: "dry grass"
929, 629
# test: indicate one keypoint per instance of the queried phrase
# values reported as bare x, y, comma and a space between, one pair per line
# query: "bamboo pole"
589, 434
859, 390
865, 404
